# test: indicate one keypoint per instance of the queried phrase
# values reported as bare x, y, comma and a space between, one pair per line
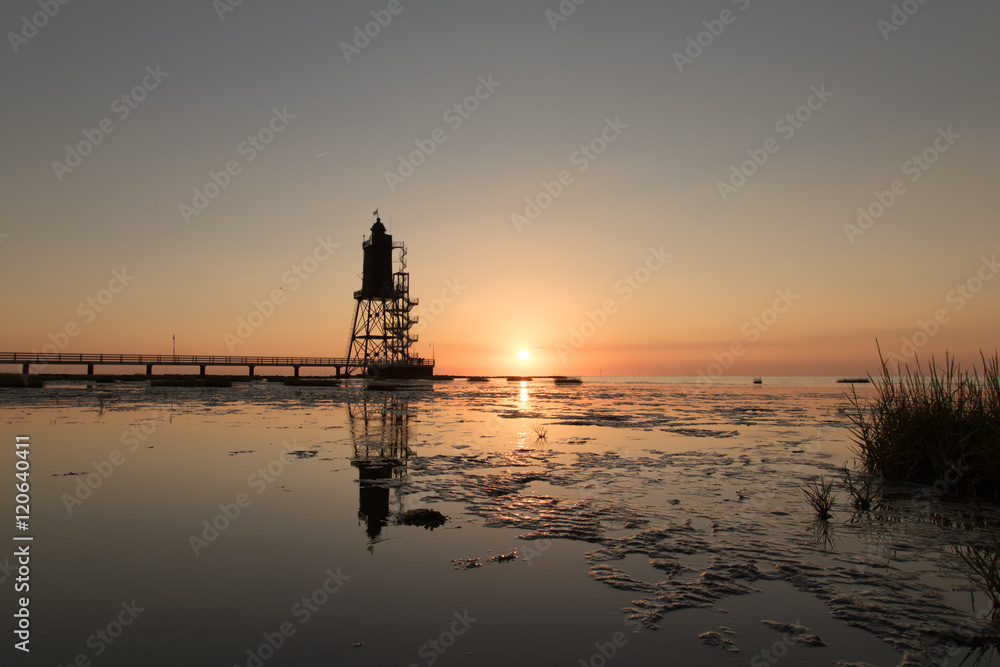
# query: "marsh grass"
864, 487
821, 496
935, 426
540, 430
983, 567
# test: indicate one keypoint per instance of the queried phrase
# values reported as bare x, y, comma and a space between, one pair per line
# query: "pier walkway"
342, 366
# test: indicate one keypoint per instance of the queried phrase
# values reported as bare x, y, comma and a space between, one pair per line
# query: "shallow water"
656, 521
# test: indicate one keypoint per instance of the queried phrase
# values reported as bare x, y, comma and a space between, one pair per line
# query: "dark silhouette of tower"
380, 433
381, 337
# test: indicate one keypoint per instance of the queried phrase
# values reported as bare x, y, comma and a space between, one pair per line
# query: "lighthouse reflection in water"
380, 434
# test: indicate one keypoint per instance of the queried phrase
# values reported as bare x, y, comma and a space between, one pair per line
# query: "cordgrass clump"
937, 427
541, 430
864, 487
821, 496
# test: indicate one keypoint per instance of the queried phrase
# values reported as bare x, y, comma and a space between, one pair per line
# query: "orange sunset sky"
634, 188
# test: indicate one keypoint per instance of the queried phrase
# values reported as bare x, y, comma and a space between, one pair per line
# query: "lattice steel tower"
381, 336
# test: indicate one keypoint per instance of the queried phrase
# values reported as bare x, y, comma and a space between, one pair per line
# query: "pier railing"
191, 360
26, 359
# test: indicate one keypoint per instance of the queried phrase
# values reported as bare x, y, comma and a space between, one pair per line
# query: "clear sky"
693, 165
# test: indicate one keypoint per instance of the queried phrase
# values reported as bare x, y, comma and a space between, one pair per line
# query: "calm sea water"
640, 520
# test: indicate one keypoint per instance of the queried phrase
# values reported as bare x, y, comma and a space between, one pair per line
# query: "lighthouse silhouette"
383, 312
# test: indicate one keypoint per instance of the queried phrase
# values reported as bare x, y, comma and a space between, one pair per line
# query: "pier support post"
25, 369
90, 369
296, 371
251, 371
203, 367
149, 369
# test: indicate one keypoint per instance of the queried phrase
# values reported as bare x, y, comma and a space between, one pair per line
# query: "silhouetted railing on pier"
26, 359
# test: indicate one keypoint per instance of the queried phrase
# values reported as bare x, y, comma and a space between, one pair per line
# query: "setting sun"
523, 355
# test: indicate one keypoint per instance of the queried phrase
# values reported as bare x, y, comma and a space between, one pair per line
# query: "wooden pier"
343, 366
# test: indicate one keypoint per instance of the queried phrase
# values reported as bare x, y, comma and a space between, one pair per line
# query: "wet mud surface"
686, 497
714, 521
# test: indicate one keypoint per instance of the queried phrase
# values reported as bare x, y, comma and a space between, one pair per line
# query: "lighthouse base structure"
375, 341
